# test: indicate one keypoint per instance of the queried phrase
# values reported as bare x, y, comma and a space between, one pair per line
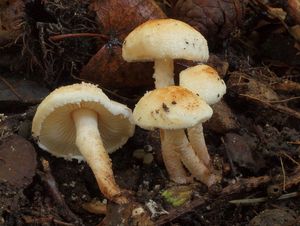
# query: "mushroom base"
189, 158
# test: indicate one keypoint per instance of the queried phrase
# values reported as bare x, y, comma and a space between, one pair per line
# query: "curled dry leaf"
214, 19
294, 10
107, 67
11, 18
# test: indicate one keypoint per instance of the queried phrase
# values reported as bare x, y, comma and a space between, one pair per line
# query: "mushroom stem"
172, 160
164, 76
197, 141
163, 72
89, 142
195, 166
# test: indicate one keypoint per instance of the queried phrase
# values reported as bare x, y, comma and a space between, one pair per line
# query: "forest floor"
253, 136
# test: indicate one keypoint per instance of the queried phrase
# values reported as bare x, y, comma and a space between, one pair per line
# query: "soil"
253, 138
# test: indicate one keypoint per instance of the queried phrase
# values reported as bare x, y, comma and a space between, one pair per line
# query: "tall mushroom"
174, 109
80, 122
162, 41
204, 81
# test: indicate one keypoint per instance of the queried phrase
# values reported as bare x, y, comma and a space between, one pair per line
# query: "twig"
51, 186
263, 199
293, 179
290, 158
287, 86
42, 220
297, 142
283, 101
56, 38
283, 174
278, 108
241, 185
244, 184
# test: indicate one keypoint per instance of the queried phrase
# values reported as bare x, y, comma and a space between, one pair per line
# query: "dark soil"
254, 140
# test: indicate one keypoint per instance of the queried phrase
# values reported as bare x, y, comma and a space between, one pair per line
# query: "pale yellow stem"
197, 141
172, 159
191, 161
164, 77
163, 73
89, 142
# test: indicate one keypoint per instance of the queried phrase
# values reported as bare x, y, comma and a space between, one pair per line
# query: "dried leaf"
294, 10
178, 195
107, 67
278, 13
214, 19
295, 31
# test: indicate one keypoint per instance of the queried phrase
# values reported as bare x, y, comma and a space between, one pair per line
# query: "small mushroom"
156, 110
204, 81
162, 41
80, 122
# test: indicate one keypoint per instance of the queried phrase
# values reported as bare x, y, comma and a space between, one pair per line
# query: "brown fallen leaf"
117, 19
214, 19
293, 9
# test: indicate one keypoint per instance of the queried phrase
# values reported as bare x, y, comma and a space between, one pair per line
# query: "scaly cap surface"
164, 38
172, 107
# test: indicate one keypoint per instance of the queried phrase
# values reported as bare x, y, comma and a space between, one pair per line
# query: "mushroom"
80, 122
204, 81
174, 109
162, 41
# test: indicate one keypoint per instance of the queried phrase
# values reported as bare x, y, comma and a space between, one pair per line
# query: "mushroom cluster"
172, 109
80, 122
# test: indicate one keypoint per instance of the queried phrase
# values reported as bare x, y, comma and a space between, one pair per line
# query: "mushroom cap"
204, 81
172, 107
164, 38
55, 129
